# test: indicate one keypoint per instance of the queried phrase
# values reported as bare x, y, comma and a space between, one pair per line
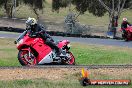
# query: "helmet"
124, 19
31, 21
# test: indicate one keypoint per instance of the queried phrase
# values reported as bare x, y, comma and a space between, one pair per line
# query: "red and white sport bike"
33, 51
128, 35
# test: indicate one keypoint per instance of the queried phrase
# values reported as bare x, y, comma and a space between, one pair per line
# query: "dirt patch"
112, 73
58, 73
4, 22
51, 74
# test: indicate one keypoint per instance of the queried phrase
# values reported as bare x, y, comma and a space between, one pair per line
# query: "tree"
10, 4
115, 8
99, 8
56, 4
35, 5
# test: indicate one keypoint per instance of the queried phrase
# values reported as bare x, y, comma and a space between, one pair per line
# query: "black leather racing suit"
37, 30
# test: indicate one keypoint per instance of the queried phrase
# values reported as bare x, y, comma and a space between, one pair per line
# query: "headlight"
68, 45
20, 42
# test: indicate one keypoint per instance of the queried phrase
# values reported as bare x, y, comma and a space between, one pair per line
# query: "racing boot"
61, 52
54, 46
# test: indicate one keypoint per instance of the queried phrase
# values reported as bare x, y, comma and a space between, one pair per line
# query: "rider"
37, 30
124, 25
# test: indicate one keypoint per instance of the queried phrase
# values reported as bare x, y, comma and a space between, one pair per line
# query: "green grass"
84, 54
8, 53
42, 83
92, 54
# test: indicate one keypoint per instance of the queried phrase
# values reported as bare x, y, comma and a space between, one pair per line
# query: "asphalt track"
95, 41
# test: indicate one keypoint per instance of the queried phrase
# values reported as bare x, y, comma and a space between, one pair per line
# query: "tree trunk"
113, 23
36, 13
8, 9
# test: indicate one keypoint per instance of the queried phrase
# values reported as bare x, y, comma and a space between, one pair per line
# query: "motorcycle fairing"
41, 48
48, 58
38, 45
63, 43
129, 29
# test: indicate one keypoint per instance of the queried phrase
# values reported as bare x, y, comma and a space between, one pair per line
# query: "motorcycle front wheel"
25, 59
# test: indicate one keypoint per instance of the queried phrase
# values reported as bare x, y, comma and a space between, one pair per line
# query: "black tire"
73, 58
22, 61
124, 36
126, 39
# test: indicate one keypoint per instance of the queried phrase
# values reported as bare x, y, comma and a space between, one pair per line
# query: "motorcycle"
128, 35
34, 51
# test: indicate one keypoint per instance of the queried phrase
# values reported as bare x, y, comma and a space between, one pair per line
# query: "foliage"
38, 4
93, 6
56, 4
100, 7
2, 2
35, 4
89, 5
9, 5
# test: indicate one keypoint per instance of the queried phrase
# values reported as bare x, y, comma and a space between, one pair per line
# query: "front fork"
29, 56
29, 50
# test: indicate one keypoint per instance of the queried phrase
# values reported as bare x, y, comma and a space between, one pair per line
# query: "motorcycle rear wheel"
25, 59
72, 59
124, 36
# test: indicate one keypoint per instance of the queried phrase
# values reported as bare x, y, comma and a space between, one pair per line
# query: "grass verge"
99, 54
43, 83
8, 53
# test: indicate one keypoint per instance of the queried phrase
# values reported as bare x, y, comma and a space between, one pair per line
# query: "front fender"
22, 46
28, 48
